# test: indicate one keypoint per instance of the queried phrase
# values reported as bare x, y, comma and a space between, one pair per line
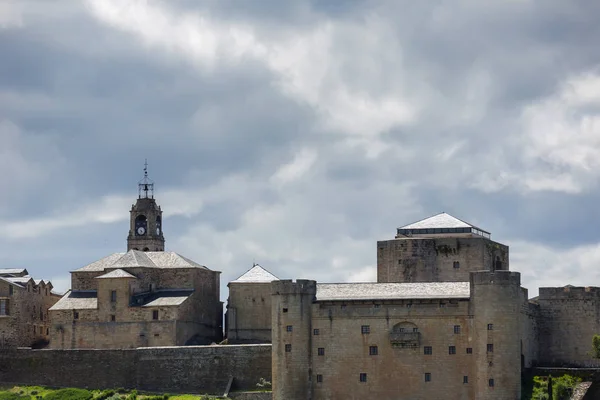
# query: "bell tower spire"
145, 222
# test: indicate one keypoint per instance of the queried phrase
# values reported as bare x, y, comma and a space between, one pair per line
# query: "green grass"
46, 393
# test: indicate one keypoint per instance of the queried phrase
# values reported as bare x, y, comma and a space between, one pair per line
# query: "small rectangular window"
452, 350
113, 318
442, 305
469, 350
75, 315
491, 382
415, 330
373, 350
316, 332
363, 377
490, 327
155, 314
456, 329
288, 348
4, 307
490, 348
376, 305
427, 377
47, 331
156, 334
113, 296
10, 290
364, 329
343, 306
465, 379
456, 264
427, 350
321, 351
288, 328
285, 310
319, 378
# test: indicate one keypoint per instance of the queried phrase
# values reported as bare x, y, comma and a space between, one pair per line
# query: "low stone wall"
189, 369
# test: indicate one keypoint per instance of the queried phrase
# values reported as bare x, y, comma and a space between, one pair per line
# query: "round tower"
291, 318
496, 307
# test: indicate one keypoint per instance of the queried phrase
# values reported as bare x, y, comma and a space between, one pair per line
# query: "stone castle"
446, 315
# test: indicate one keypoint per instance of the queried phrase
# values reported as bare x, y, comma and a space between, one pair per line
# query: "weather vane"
146, 185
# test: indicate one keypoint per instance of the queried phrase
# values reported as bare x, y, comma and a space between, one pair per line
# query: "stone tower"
495, 306
145, 221
291, 316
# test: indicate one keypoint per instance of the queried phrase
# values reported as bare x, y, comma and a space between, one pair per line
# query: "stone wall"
193, 369
444, 259
249, 312
569, 318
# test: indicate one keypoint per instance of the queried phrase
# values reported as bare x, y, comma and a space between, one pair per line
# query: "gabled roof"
11, 282
441, 220
390, 291
117, 273
136, 258
256, 274
13, 271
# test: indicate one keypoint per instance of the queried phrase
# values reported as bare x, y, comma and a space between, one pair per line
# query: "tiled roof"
77, 300
441, 220
387, 291
135, 258
117, 273
256, 274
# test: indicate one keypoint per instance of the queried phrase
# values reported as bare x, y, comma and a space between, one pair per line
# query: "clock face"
141, 230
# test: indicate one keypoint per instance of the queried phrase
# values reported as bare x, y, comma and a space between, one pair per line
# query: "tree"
596, 346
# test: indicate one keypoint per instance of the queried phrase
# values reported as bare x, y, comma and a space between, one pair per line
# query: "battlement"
495, 278
288, 286
569, 292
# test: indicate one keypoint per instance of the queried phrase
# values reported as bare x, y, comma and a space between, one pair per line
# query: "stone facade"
398, 348
24, 304
248, 317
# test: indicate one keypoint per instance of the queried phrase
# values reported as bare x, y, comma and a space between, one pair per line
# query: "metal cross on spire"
146, 185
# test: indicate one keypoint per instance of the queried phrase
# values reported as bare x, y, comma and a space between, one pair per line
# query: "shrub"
105, 394
69, 394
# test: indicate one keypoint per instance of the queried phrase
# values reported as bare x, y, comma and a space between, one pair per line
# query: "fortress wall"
193, 369
569, 317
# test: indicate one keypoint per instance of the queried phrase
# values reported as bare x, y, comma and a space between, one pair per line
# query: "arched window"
158, 225
141, 225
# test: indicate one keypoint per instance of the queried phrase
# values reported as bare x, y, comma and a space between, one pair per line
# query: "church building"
143, 297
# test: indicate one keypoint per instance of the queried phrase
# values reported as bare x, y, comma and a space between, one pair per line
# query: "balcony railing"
405, 339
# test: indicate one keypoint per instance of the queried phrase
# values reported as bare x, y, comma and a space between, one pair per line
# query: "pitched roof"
441, 220
135, 258
77, 300
165, 301
388, 291
117, 273
256, 274
13, 271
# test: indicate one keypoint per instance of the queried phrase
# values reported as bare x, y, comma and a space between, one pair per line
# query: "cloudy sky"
297, 133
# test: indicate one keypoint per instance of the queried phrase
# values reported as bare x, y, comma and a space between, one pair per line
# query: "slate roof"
166, 301
162, 298
9, 280
117, 273
256, 274
77, 300
388, 291
13, 271
135, 258
441, 220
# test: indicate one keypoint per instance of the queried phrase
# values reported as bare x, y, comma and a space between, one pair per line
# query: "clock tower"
145, 221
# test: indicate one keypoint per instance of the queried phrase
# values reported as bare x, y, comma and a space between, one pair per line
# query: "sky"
297, 134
